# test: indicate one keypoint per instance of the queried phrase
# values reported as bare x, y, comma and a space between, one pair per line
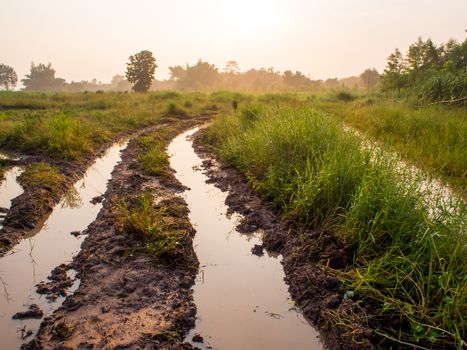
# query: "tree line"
201, 76
432, 73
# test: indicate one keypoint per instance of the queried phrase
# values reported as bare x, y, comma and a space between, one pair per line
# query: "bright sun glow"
250, 18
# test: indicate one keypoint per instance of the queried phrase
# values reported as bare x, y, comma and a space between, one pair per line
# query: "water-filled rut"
32, 260
242, 300
9, 189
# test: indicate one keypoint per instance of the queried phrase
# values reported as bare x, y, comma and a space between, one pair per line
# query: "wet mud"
30, 209
306, 256
125, 300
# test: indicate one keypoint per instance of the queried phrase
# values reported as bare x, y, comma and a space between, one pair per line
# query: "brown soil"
127, 300
306, 256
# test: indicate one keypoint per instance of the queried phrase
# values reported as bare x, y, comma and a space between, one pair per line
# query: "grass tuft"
41, 175
163, 236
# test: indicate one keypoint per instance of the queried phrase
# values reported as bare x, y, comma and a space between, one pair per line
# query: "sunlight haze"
93, 39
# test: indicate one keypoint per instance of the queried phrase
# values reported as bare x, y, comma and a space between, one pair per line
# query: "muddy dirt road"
242, 299
102, 293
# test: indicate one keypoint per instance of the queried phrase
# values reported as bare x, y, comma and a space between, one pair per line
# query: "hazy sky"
86, 39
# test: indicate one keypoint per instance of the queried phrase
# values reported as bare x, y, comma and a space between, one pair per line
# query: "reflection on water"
242, 300
9, 189
34, 258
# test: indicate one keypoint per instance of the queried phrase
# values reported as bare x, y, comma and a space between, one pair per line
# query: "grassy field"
408, 261
434, 138
67, 126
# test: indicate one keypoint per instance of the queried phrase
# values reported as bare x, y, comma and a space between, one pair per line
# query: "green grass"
71, 126
41, 175
409, 262
434, 138
153, 158
159, 228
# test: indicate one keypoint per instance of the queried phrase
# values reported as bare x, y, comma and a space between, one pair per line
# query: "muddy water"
242, 300
33, 259
9, 189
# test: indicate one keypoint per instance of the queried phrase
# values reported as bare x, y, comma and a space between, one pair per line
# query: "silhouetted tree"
140, 70
42, 78
8, 77
370, 77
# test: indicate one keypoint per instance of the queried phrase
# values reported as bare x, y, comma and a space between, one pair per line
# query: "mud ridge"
29, 210
127, 300
307, 254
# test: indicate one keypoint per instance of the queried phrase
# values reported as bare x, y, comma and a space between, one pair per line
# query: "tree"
8, 77
370, 77
42, 78
201, 76
395, 76
231, 67
140, 70
297, 81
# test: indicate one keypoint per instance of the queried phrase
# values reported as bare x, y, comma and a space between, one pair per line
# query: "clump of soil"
197, 338
76, 233
97, 199
306, 256
32, 312
59, 283
257, 250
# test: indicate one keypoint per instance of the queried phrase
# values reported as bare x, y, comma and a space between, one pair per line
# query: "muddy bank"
306, 253
30, 209
126, 299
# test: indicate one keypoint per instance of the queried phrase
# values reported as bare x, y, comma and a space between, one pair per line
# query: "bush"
451, 88
345, 96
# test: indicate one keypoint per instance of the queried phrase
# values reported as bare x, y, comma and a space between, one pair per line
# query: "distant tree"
177, 73
119, 83
395, 74
231, 67
297, 81
42, 78
202, 75
8, 77
455, 55
331, 83
140, 70
370, 78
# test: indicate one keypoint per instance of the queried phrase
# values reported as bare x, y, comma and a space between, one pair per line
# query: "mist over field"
86, 40
250, 174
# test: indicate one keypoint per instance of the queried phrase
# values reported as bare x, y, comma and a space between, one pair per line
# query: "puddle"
9, 189
34, 258
242, 300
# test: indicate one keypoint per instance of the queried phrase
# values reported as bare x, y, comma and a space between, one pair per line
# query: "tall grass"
70, 126
409, 262
434, 138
